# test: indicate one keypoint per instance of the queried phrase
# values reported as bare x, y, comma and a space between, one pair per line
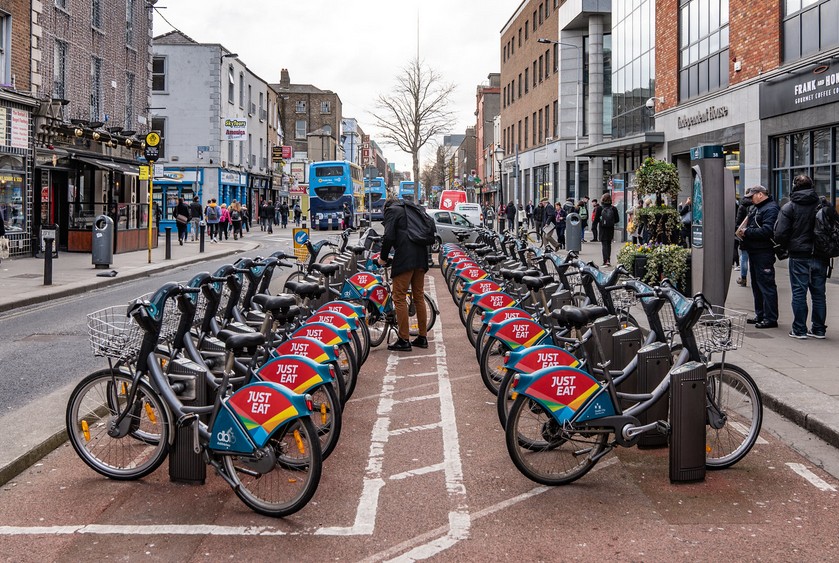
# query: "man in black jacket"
410, 262
756, 238
807, 271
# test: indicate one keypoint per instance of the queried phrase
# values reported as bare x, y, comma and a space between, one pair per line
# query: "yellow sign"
152, 139
300, 238
144, 172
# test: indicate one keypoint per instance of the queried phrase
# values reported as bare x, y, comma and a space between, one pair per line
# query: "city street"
421, 471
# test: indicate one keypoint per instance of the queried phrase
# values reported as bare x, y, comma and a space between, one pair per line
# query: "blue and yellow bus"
408, 190
375, 193
331, 185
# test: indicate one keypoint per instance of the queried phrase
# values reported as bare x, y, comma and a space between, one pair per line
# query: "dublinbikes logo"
226, 438
301, 237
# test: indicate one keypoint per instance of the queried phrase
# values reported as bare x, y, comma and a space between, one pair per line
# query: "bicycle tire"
736, 395
349, 368
94, 402
492, 364
464, 305
293, 480
474, 320
545, 453
376, 325
505, 398
326, 417
328, 258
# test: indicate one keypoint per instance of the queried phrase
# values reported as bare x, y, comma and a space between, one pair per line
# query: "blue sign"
301, 237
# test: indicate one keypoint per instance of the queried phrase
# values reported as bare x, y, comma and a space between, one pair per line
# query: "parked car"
471, 211
448, 222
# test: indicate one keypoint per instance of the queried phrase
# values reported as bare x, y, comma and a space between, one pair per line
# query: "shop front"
232, 185
171, 185
16, 163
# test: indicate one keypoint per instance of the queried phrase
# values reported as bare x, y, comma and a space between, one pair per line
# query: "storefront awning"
121, 167
635, 143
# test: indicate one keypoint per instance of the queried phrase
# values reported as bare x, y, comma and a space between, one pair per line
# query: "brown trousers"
416, 280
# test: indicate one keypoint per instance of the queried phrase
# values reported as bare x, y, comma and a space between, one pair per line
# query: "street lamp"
499, 156
576, 109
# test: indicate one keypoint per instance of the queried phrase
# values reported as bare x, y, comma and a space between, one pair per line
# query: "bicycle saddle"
483, 250
238, 342
275, 303
493, 259
519, 275
327, 270
306, 289
578, 317
472, 245
356, 249
533, 283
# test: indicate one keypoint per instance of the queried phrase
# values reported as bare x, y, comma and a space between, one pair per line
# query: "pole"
577, 133
48, 260
518, 187
151, 205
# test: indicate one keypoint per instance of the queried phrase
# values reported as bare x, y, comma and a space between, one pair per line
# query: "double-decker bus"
375, 193
410, 190
331, 185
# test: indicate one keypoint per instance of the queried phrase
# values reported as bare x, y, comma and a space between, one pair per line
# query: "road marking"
741, 428
420, 398
814, 479
426, 374
420, 471
400, 431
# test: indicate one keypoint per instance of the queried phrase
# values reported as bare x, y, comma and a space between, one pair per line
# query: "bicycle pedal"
186, 420
663, 427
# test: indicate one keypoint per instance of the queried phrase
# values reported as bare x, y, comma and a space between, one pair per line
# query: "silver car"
449, 222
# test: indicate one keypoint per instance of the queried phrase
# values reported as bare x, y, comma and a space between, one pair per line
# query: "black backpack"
826, 232
421, 228
609, 216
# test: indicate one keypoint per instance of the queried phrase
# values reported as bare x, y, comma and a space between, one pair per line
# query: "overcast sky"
354, 48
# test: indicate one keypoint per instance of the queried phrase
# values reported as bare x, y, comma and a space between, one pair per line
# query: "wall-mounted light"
78, 132
95, 136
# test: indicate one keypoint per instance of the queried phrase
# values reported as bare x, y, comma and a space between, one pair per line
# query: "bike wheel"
376, 325
480, 341
328, 258
735, 415
293, 277
291, 482
326, 417
474, 321
506, 398
464, 305
349, 368
97, 400
492, 364
543, 451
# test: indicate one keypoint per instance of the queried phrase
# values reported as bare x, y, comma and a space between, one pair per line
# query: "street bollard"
168, 243
48, 260
201, 237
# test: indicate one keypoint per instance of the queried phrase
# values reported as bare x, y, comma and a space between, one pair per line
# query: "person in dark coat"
609, 217
410, 262
548, 227
742, 213
757, 240
595, 218
182, 210
807, 271
510, 211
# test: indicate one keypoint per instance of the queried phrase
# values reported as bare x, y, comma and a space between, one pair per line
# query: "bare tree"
415, 111
434, 172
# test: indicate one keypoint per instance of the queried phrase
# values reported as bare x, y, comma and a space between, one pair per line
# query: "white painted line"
152, 530
420, 471
741, 428
813, 479
426, 374
434, 355
420, 428
414, 399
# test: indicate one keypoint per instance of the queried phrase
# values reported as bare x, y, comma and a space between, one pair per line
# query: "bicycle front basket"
113, 334
720, 330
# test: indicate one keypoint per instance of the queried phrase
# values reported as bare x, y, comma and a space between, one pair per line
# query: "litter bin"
573, 232
103, 242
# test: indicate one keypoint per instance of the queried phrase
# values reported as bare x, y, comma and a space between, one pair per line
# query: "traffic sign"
152, 153
152, 139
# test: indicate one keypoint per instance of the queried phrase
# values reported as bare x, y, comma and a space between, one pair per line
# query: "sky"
354, 48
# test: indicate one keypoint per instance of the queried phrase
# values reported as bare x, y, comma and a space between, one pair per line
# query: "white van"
471, 211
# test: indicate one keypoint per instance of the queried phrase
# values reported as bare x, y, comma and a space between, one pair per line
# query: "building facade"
488, 107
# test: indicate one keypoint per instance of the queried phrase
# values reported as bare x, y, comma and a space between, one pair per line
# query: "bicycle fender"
335, 319
380, 297
530, 360
323, 332
479, 287
495, 300
247, 419
566, 393
472, 274
462, 265
295, 372
517, 333
307, 348
347, 309
358, 285
505, 314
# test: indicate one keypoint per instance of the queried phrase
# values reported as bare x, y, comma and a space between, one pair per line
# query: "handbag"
4, 248
183, 219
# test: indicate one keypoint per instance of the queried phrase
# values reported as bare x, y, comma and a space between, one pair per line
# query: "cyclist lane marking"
811, 477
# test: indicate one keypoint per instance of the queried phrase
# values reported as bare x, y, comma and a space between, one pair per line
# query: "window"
519, 37
541, 67
555, 123
703, 40
520, 84
327, 129
159, 124
158, 74
526, 30
526, 80
325, 107
230, 152
547, 122
534, 20
61, 4
547, 63
547, 9
443, 217
460, 221
59, 69
241, 90
129, 22
241, 153
250, 100
556, 57
95, 88
541, 13
814, 153
129, 101
513, 45
541, 116
96, 14
809, 26
535, 128
518, 138
300, 106
525, 131
231, 84
300, 129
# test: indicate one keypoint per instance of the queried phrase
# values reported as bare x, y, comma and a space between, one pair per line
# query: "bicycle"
259, 439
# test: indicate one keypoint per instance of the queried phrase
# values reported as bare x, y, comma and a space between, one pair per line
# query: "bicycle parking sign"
300, 237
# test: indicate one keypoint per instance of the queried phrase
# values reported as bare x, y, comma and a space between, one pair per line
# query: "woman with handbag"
181, 213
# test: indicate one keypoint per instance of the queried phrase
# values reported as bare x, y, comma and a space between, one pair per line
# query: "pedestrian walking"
609, 218
510, 211
246, 219
408, 268
298, 213
235, 210
348, 218
559, 216
212, 215
224, 222
548, 227
276, 216
266, 216
582, 209
743, 263
195, 216
181, 215
756, 235
794, 231
686, 218
529, 212
502, 216
538, 215
284, 215
595, 219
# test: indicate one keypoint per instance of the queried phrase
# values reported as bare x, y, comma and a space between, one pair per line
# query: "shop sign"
144, 173
3, 114
298, 189
288, 151
20, 129
235, 129
298, 170
177, 176
230, 178
701, 116
815, 88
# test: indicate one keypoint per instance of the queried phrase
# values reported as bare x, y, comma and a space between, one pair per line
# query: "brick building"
487, 108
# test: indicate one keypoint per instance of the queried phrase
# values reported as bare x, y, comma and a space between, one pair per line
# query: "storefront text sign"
20, 129
802, 91
3, 114
235, 129
702, 116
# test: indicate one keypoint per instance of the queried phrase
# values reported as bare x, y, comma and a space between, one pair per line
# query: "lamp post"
499, 187
576, 109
